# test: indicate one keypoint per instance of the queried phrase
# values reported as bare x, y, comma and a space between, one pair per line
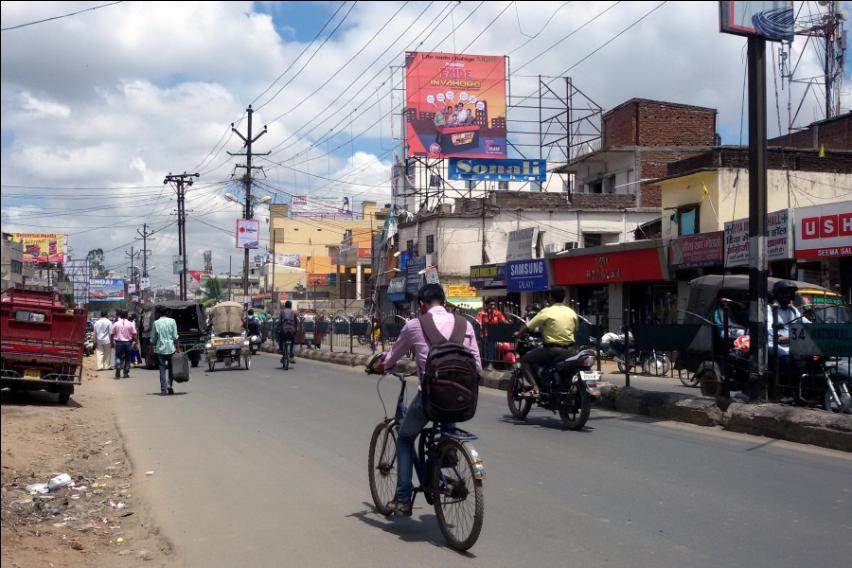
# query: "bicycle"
285, 356
448, 468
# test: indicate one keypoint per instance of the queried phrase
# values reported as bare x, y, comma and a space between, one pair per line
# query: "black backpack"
450, 386
288, 322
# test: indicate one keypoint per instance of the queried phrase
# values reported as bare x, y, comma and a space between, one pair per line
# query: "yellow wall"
727, 197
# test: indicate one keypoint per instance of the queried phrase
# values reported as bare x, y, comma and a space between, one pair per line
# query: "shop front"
603, 282
693, 256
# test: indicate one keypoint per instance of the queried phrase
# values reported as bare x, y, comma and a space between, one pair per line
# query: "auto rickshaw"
228, 343
718, 355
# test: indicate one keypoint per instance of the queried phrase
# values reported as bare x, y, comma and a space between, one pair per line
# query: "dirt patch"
97, 522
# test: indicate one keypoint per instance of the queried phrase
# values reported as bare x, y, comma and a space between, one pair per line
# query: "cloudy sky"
99, 106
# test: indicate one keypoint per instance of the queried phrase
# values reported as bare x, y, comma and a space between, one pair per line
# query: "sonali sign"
497, 170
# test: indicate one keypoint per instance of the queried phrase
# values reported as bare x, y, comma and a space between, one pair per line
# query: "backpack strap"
459, 330
430, 330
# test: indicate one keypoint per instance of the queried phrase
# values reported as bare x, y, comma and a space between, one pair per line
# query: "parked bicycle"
651, 362
448, 468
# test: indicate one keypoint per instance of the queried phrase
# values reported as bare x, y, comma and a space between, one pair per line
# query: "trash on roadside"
126, 514
119, 540
40, 488
61, 480
149, 472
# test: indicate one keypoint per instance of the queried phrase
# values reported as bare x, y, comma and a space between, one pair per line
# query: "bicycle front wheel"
459, 501
382, 466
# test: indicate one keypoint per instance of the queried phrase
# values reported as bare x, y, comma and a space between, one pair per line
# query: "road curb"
778, 421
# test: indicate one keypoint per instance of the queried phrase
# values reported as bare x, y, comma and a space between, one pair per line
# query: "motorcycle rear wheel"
574, 418
518, 406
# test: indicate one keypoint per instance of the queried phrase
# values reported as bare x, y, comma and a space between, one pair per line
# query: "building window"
688, 220
430, 244
409, 246
470, 184
503, 185
592, 239
595, 186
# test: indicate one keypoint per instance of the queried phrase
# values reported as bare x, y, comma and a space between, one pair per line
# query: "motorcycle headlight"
255, 339
208, 346
246, 343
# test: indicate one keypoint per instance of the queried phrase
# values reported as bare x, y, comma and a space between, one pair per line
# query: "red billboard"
695, 251
455, 105
824, 231
638, 265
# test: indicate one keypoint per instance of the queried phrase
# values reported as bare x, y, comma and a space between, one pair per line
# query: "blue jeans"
122, 357
165, 362
284, 341
412, 423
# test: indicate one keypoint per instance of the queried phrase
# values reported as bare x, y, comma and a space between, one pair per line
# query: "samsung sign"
527, 275
480, 169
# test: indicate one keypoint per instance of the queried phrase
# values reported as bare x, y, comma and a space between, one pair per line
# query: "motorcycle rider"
288, 324
557, 323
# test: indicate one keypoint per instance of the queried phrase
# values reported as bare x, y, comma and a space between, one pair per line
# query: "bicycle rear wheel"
459, 501
382, 466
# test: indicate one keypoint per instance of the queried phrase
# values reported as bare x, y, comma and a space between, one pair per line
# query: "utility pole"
229, 279
133, 255
144, 235
248, 140
181, 181
758, 285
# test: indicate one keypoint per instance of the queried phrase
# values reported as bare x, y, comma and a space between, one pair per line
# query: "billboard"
779, 240
248, 233
521, 244
288, 259
41, 247
455, 105
824, 231
527, 275
78, 272
497, 170
695, 251
772, 20
310, 206
106, 290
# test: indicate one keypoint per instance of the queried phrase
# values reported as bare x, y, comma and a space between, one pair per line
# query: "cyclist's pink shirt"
411, 338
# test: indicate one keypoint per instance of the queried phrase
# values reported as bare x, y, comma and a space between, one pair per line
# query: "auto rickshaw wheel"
709, 378
63, 397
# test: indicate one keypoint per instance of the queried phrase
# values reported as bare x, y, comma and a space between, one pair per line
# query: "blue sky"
298, 21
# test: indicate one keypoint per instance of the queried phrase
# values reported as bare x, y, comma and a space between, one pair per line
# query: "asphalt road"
268, 468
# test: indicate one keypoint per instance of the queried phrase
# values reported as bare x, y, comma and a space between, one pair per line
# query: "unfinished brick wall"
603, 201
642, 122
835, 135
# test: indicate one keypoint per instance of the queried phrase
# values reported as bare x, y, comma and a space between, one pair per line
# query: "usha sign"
499, 170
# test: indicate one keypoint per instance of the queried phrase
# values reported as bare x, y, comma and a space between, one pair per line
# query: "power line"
93, 8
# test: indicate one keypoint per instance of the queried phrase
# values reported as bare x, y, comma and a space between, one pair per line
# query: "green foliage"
213, 291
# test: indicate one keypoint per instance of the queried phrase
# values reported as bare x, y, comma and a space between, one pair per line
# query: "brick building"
640, 138
830, 134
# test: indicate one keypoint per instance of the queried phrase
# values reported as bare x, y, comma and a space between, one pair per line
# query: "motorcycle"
254, 344
651, 362
568, 386
89, 343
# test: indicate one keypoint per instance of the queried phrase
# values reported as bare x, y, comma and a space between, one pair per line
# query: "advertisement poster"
455, 105
779, 245
478, 169
824, 231
288, 259
248, 233
488, 276
694, 251
41, 247
527, 275
106, 289
413, 276
328, 207
521, 244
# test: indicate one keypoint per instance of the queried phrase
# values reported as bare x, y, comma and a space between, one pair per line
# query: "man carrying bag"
165, 339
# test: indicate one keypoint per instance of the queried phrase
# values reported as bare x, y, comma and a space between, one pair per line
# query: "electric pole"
144, 235
248, 140
133, 255
181, 181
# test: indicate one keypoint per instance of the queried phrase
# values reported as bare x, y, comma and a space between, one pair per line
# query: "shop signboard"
479, 169
431, 275
527, 275
696, 251
41, 247
455, 105
824, 231
396, 289
488, 276
413, 277
460, 291
779, 242
106, 289
636, 265
317, 279
248, 233
521, 245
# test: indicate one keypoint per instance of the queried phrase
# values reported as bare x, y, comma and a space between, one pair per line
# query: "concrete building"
12, 273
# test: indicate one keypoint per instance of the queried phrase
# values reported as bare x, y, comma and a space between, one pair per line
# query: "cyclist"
431, 299
557, 323
288, 323
252, 323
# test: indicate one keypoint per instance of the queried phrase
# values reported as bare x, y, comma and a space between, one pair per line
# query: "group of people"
117, 345
460, 115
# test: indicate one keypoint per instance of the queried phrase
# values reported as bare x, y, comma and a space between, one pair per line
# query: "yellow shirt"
557, 322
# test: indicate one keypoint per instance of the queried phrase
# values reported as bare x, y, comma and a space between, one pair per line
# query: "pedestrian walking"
164, 336
103, 342
135, 354
123, 336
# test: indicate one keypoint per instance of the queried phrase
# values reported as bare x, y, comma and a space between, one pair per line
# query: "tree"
96, 263
213, 291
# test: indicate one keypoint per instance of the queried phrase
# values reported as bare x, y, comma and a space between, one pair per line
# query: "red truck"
41, 342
